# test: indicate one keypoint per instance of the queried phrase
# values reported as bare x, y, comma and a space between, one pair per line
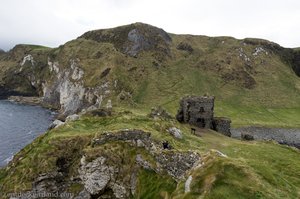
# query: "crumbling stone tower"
197, 110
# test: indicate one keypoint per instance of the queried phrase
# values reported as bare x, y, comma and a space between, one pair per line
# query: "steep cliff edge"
115, 149
141, 65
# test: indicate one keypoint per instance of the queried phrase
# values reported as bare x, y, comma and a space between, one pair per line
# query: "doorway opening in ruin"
201, 122
188, 112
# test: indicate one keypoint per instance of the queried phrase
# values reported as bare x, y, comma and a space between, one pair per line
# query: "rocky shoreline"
36, 101
287, 136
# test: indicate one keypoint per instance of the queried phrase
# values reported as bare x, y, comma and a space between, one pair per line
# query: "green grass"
252, 169
152, 185
266, 169
273, 100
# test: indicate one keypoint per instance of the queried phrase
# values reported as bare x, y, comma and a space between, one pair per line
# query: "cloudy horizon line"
54, 22
212, 36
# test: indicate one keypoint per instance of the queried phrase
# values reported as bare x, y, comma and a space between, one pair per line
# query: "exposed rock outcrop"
46, 185
97, 176
68, 93
65, 93
288, 55
124, 135
159, 112
134, 38
26, 100
177, 164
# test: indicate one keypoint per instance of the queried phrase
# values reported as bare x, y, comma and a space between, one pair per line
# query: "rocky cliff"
115, 149
129, 64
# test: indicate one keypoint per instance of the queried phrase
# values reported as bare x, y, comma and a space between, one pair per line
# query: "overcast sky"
54, 22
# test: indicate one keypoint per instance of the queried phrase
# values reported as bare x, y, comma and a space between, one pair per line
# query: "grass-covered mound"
250, 170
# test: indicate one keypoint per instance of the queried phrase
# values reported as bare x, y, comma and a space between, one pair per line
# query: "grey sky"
54, 22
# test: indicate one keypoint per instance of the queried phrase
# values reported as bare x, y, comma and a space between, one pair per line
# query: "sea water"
19, 126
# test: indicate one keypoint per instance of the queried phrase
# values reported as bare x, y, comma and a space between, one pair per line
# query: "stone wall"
222, 125
198, 111
124, 135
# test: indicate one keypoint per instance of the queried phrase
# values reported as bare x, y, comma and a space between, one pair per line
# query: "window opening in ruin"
201, 109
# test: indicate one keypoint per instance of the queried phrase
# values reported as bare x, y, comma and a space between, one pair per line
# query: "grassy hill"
252, 83
255, 83
249, 169
254, 80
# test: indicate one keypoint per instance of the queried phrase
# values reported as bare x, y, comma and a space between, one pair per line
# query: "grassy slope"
274, 100
252, 169
10, 65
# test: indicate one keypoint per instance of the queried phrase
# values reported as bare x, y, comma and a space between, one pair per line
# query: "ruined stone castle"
199, 111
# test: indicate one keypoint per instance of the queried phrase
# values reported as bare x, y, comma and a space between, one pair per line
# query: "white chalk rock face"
28, 58
53, 66
71, 95
77, 72
96, 175
66, 91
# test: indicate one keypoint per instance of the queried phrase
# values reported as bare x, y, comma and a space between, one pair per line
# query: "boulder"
56, 124
175, 132
247, 136
73, 117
